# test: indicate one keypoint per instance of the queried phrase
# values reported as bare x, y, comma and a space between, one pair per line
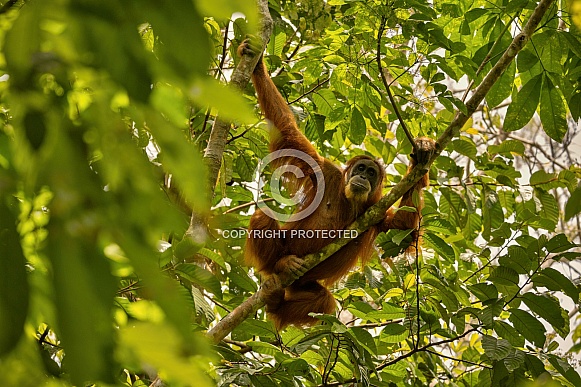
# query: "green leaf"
365, 339
573, 205
543, 179
492, 215
394, 333
167, 293
572, 41
494, 348
484, 291
517, 259
559, 243
230, 104
357, 127
252, 327
181, 159
170, 101
185, 249
535, 365
549, 208
264, 348
504, 276
526, 59
548, 309
241, 279
508, 146
528, 326
35, 128
400, 236
82, 277
14, 289
465, 146
276, 44
257, 144
203, 308
223, 9
514, 360
521, 110
170, 356
553, 112
102, 24
175, 51
215, 257
509, 333
438, 225
387, 312
566, 370
201, 277
491, 311
551, 53
326, 101
296, 366
246, 166
292, 335
18, 51
444, 249
502, 89
556, 281
515, 6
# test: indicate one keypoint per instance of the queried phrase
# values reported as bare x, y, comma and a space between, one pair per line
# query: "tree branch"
377, 212
382, 74
424, 348
219, 134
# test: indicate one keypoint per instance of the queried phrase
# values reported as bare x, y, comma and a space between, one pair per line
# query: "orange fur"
336, 211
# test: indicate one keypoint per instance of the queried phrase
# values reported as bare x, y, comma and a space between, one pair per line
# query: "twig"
243, 347
248, 204
224, 47
424, 348
319, 84
459, 360
382, 75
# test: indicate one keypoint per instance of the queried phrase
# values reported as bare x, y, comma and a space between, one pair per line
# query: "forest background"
129, 141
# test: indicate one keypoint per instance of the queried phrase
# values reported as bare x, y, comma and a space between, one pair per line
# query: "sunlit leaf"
521, 110
357, 127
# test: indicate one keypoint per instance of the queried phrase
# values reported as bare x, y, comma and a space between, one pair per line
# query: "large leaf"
553, 112
528, 326
502, 89
494, 348
521, 110
550, 310
555, 280
200, 276
573, 205
357, 127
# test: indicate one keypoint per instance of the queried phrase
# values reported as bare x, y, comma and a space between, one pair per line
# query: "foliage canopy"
107, 107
